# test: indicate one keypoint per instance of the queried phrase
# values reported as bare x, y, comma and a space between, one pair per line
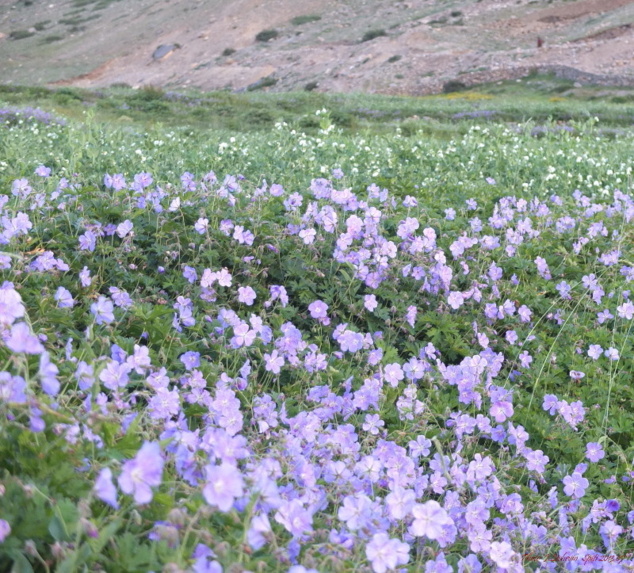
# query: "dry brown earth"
428, 42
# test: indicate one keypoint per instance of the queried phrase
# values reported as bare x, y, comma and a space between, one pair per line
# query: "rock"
163, 51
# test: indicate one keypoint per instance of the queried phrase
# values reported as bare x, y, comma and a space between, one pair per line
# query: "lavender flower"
5, 530
21, 339
386, 553
594, 451
429, 520
575, 485
140, 474
104, 488
224, 484
103, 310
246, 295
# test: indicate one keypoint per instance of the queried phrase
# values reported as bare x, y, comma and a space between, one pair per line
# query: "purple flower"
542, 268
386, 553
84, 277
5, 530
356, 511
455, 300
190, 359
575, 485
64, 298
595, 351
243, 236
115, 375
610, 532
626, 310
273, 362
501, 410
297, 520
104, 488
164, 405
429, 520
594, 451
43, 171
373, 424
48, 375
246, 295
124, 228
551, 404
189, 273
120, 297
393, 374
224, 485
502, 554
536, 461
525, 359
260, 527
11, 307
140, 474
400, 502
201, 225
350, 341
369, 301
318, 309
12, 388
103, 310
469, 564
524, 313
22, 340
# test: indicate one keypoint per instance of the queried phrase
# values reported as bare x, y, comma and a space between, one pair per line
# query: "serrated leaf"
106, 533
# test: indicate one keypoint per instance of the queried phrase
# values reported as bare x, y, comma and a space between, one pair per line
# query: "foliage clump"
266, 35
373, 34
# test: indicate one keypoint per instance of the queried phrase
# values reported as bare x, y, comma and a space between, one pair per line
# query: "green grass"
538, 99
306, 19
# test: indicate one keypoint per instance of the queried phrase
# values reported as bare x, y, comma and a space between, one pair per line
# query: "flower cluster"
381, 406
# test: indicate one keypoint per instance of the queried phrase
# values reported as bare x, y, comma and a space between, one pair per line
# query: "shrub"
20, 34
310, 86
149, 93
228, 52
306, 19
266, 82
393, 59
41, 25
372, 34
453, 86
266, 35
52, 38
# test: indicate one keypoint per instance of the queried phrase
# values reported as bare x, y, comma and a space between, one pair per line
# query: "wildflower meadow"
315, 351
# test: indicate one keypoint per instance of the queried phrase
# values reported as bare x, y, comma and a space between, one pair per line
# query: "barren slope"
94, 43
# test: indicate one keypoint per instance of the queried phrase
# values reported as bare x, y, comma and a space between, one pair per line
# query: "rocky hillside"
383, 46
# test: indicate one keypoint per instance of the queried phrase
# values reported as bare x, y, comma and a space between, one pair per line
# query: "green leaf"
20, 563
108, 532
57, 530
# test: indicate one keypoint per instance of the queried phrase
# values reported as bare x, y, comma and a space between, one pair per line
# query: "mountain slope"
211, 44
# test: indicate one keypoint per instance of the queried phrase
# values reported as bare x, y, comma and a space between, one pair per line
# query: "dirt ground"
425, 43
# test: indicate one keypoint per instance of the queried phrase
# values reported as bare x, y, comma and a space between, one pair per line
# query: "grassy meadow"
308, 332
